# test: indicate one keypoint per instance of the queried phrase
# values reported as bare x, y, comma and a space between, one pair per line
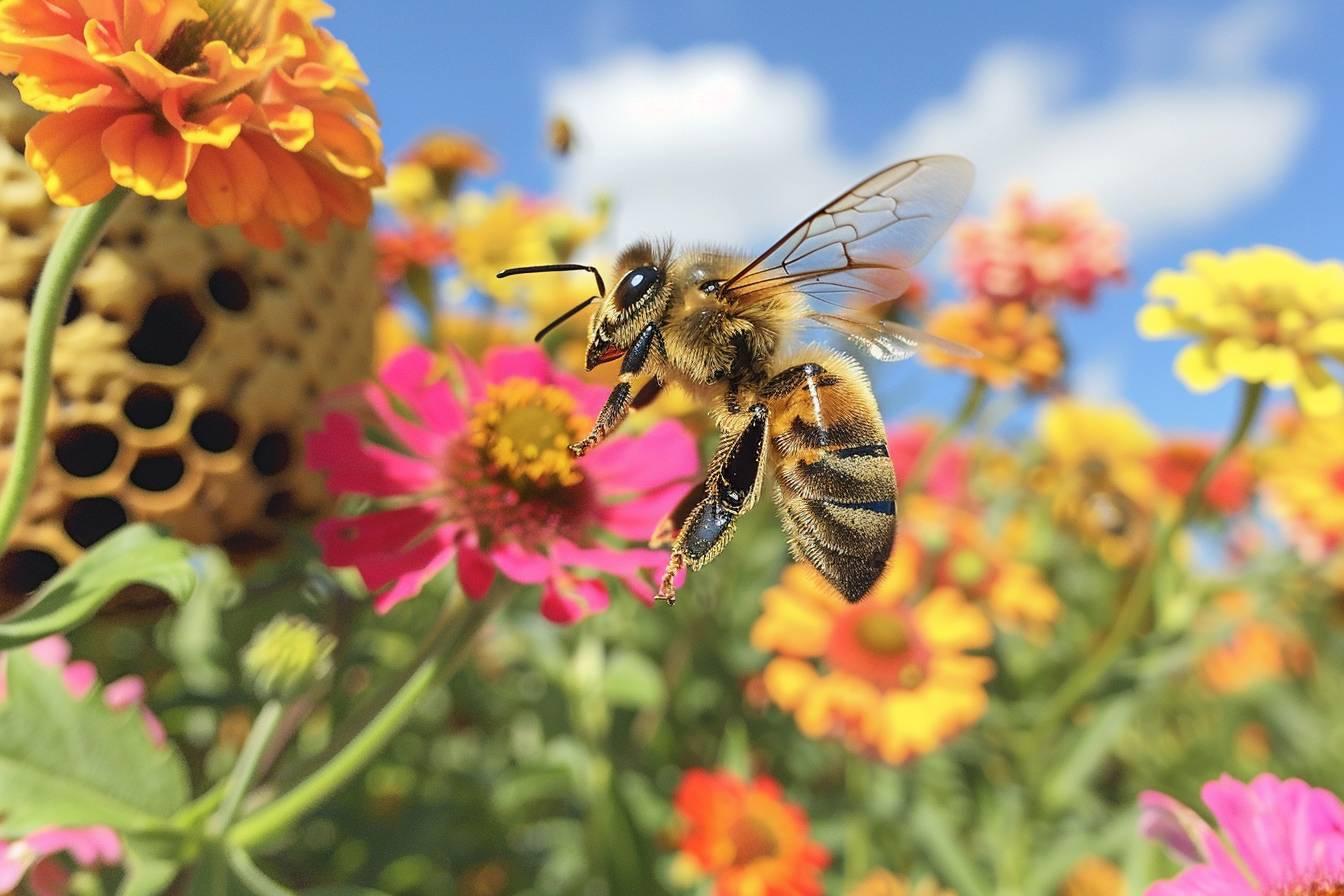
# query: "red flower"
485, 477
1178, 463
747, 837
949, 470
402, 250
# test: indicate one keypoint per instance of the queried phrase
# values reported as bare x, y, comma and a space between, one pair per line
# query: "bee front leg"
730, 489
618, 402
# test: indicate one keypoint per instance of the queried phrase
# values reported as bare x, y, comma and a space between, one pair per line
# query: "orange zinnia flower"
882, 882
747, 837
247, 108
889, 675
402, 251
1017, 343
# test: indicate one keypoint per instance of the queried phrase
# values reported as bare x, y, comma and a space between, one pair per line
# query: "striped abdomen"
834, 481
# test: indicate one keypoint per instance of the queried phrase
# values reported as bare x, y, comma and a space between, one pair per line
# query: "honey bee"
722, 328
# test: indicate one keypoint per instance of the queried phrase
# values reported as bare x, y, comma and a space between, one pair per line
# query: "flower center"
240, 24
879, 645
1046, 232
752, 839
523, 430
883, 634
1333, 886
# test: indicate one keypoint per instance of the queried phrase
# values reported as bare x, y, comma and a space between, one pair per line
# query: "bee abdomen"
834, 480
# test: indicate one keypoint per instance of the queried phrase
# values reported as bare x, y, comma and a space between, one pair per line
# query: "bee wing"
887, 340
867, 237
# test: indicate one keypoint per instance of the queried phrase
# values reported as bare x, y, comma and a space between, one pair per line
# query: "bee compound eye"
635, 285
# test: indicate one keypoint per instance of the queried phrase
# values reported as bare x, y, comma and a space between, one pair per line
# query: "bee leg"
667, 531
618, 402
733, 485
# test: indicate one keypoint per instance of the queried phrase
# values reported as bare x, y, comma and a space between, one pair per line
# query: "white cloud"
713, 144
1160, 157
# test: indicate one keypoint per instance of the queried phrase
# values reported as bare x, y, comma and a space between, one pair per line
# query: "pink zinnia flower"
1027, 253
1277, 838
484, 475
32, 854
948, 472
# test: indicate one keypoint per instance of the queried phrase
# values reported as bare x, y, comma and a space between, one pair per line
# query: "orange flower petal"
292, 197
290, 124
155, 21
262, 231
56, 82
345, 145
226, 186
146, 75
148, 157
65, 149
217, 125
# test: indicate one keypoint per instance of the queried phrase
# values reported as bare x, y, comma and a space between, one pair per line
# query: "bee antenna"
544, 268
541, 334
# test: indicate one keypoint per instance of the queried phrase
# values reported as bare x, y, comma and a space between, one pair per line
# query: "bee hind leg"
732, 486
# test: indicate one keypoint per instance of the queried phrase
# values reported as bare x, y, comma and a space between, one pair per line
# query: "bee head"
639, 298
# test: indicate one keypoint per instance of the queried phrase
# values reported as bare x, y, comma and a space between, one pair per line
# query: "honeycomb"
186, 371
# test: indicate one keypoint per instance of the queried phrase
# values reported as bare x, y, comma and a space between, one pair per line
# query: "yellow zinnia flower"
1262, 315
1098, 475
1303, 473
890, 676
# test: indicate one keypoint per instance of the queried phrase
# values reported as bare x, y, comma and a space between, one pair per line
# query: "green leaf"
71, 762
944, 851
151, 864
1089, 751
136, 554
633, 680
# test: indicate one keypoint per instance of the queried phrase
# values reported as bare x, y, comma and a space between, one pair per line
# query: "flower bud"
286, 657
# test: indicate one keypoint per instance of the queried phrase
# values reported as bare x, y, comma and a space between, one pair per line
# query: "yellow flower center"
523, 430
752, 839
883, 633
1045, 232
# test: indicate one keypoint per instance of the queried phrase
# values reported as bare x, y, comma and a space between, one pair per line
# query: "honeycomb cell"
215, 431
90, 519
86, 450
229, 289
23, 571
149, 406
158, 471
272, 454
168, 331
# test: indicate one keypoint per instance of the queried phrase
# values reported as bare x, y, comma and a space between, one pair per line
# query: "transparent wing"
886, 340
866, 238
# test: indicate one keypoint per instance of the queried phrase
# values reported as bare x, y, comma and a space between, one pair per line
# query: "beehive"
189, 366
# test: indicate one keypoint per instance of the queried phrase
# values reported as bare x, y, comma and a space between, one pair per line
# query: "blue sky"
1200, 125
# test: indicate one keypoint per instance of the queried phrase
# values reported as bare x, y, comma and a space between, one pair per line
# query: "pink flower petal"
355, 467
523, 566
124, 692
665, 454
402, 547
1176, 826
52, 650
526, 361
636, 520
1282, 830
80, 677
566, 600
1203, 880
474, 571
435, 412
87, 846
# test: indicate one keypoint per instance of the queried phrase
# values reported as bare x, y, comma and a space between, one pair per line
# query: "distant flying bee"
720, 327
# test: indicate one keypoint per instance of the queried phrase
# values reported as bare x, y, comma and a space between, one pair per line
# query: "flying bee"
721, 327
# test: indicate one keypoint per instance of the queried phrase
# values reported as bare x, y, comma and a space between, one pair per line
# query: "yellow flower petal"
1196, 367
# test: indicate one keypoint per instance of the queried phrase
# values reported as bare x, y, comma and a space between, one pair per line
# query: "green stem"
1138, 597
312, 791
970, 406
77, 238
245, 770
858, 833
